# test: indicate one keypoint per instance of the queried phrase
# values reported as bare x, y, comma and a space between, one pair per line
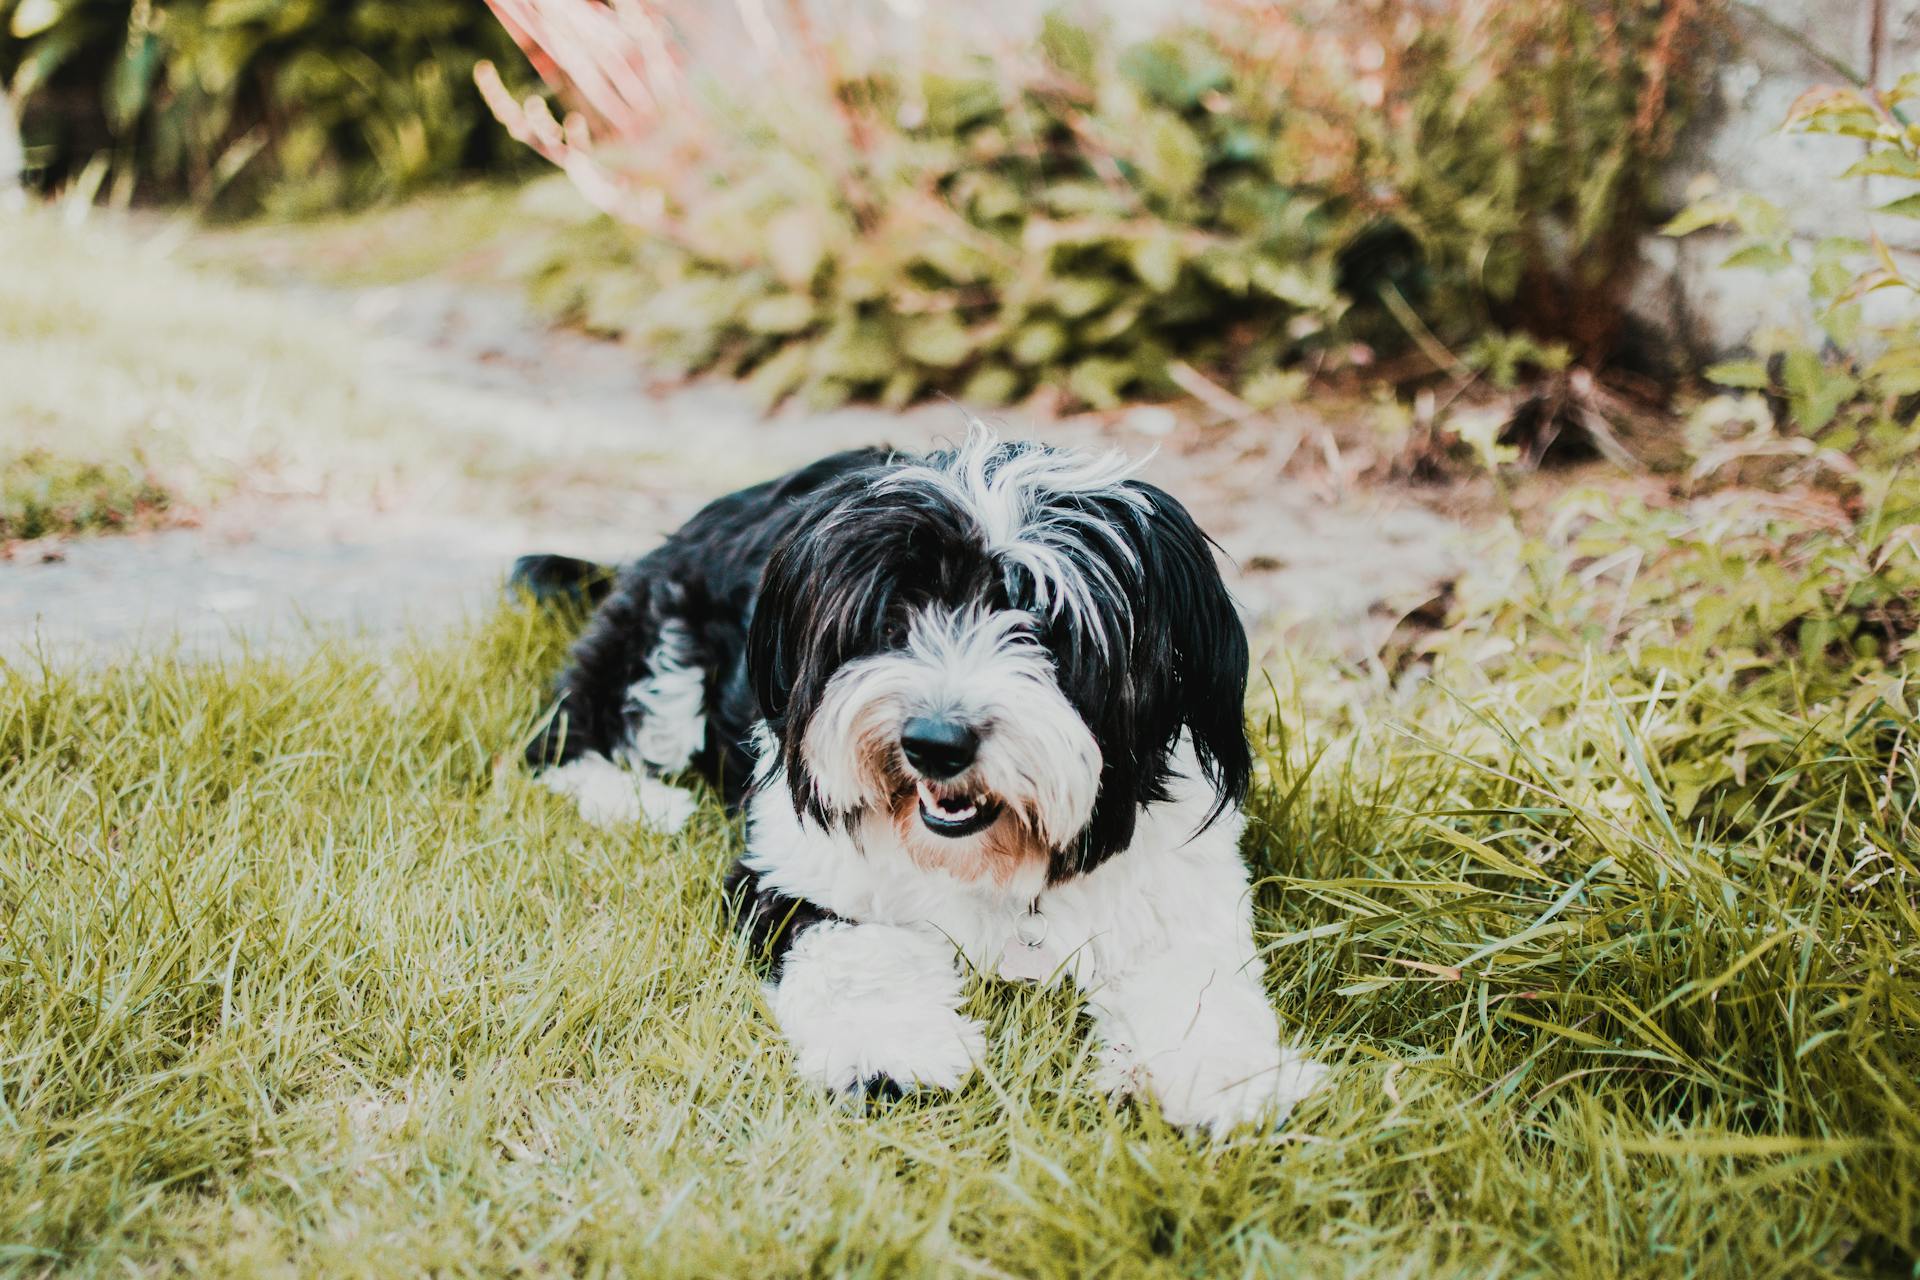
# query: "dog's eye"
896, 634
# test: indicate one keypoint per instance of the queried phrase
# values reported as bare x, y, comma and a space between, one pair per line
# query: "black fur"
560, 580
770, 920
782, 584
707, 576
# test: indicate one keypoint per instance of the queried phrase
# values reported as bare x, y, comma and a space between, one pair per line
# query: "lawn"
1610, 926
1603, 901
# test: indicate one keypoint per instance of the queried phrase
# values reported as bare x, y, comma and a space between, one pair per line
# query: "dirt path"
637, 460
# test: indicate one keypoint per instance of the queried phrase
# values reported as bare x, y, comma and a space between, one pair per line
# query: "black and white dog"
982, 705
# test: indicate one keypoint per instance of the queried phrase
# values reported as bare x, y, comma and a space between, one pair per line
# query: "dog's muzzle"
940, 750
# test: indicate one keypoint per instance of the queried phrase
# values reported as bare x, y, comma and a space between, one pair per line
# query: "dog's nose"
937, 747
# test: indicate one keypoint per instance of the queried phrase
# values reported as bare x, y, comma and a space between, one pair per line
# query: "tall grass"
300, 973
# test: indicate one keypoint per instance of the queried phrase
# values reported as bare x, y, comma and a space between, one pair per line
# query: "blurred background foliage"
1270, 194
1438, 204
1267, 194
245, 106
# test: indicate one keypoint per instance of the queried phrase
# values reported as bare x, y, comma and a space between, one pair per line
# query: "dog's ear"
822, 599
1189, 639
779, 658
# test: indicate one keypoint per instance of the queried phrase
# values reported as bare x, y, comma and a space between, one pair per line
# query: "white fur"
987, 669
610, 796
672, 703
1159, 939
1026, 532
858, 1001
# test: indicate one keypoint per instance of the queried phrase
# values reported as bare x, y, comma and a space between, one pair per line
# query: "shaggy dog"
982, 705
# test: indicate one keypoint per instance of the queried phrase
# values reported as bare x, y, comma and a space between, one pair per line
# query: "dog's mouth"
954, 814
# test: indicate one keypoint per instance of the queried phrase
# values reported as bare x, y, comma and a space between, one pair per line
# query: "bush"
297, 106
1241, 201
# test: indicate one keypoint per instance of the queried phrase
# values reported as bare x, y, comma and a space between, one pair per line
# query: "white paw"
1217, 1087
870, 1005
609, 796
664, 807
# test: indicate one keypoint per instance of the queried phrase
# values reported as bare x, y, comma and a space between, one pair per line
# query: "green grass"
43, 493
300, 973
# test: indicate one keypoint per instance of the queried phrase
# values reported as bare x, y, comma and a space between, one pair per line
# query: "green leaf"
1174, 73
901, 389
33, 17
1748, 374
854, 351
1816, 391
1068, 45
1759, 257
1289, 283
781, 313
954, 103
1830, 280
1896, 373
778, 376
1099, 380
1701, 213
1077, 296
1904, 207
1174, 159
1111, 325
1156, 260
937, 340
1038, 342
1885, 164
992, 385
1842, 324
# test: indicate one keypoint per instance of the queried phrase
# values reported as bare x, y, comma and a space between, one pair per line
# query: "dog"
980, 707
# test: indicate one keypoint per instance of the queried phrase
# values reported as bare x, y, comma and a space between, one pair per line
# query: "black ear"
1181, 665
822, 599
1194, 643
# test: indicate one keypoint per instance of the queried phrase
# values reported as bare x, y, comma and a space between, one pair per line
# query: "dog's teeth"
946, 808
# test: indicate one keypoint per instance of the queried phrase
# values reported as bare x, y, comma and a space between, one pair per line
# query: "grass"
1611, 924
300, 973
123, 352
43, 493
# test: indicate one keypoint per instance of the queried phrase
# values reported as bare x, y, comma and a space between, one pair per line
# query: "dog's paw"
609, 796
1216, 1088
664, 807
870, 1010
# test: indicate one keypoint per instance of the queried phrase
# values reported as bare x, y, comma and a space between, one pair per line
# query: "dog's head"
996, 650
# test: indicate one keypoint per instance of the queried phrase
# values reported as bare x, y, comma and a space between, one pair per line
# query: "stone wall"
1776, 51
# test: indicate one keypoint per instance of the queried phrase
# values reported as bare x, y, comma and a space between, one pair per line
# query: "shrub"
298, 106
1238, 200
1823, 405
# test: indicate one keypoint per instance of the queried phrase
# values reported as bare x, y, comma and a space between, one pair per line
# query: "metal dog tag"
1027, 957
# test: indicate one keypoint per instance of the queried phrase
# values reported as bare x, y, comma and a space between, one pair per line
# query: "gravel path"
274, 571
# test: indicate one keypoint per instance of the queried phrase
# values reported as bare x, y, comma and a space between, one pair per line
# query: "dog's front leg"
1190, 1026
875, 1008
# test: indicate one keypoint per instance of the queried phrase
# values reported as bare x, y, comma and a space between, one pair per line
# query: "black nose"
938, 748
